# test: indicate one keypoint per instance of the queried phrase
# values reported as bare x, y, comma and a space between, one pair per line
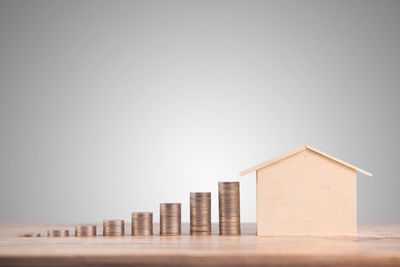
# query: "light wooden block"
306, 194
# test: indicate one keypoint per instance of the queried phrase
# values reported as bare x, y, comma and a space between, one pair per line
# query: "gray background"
109, 107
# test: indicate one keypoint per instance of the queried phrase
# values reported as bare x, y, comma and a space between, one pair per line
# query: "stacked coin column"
229, 208
142, 223
113, 228
29, 235
170, 218
200, 213
85, 230
57, 233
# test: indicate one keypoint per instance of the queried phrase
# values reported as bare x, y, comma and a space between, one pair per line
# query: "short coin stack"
85, 230
57, 233
142, 223
113, 228
200, 213
229, 208
170, 218
29, 235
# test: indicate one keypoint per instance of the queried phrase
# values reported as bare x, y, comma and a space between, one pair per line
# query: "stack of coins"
170, 218
29, 235
85, 230
57, 233
142, 223
200, 213
113, 228
229, 208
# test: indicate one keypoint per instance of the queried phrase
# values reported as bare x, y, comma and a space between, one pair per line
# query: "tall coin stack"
113, 228
200, 213
229, 208
170, 218
142, 223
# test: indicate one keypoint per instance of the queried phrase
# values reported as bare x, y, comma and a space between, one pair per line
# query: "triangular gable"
302, 148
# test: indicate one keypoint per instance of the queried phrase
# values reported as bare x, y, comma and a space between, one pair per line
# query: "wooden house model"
306, 192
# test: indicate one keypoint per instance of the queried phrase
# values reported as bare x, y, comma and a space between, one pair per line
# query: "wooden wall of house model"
306, 192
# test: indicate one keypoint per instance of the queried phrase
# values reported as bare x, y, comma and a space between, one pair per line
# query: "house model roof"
267, 163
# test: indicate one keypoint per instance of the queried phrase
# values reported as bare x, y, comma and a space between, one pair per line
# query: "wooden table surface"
376, 244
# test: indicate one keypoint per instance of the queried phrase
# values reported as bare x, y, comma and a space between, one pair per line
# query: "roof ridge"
297, 150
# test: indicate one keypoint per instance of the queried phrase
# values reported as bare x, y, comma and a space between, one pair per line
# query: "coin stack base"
85, 230
142, 223
200, 213
113, 228
170, 219
229, 208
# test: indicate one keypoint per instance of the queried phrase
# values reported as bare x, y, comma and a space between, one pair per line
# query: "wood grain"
375, 245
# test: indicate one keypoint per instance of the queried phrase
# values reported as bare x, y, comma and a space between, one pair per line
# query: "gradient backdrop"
109, 107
